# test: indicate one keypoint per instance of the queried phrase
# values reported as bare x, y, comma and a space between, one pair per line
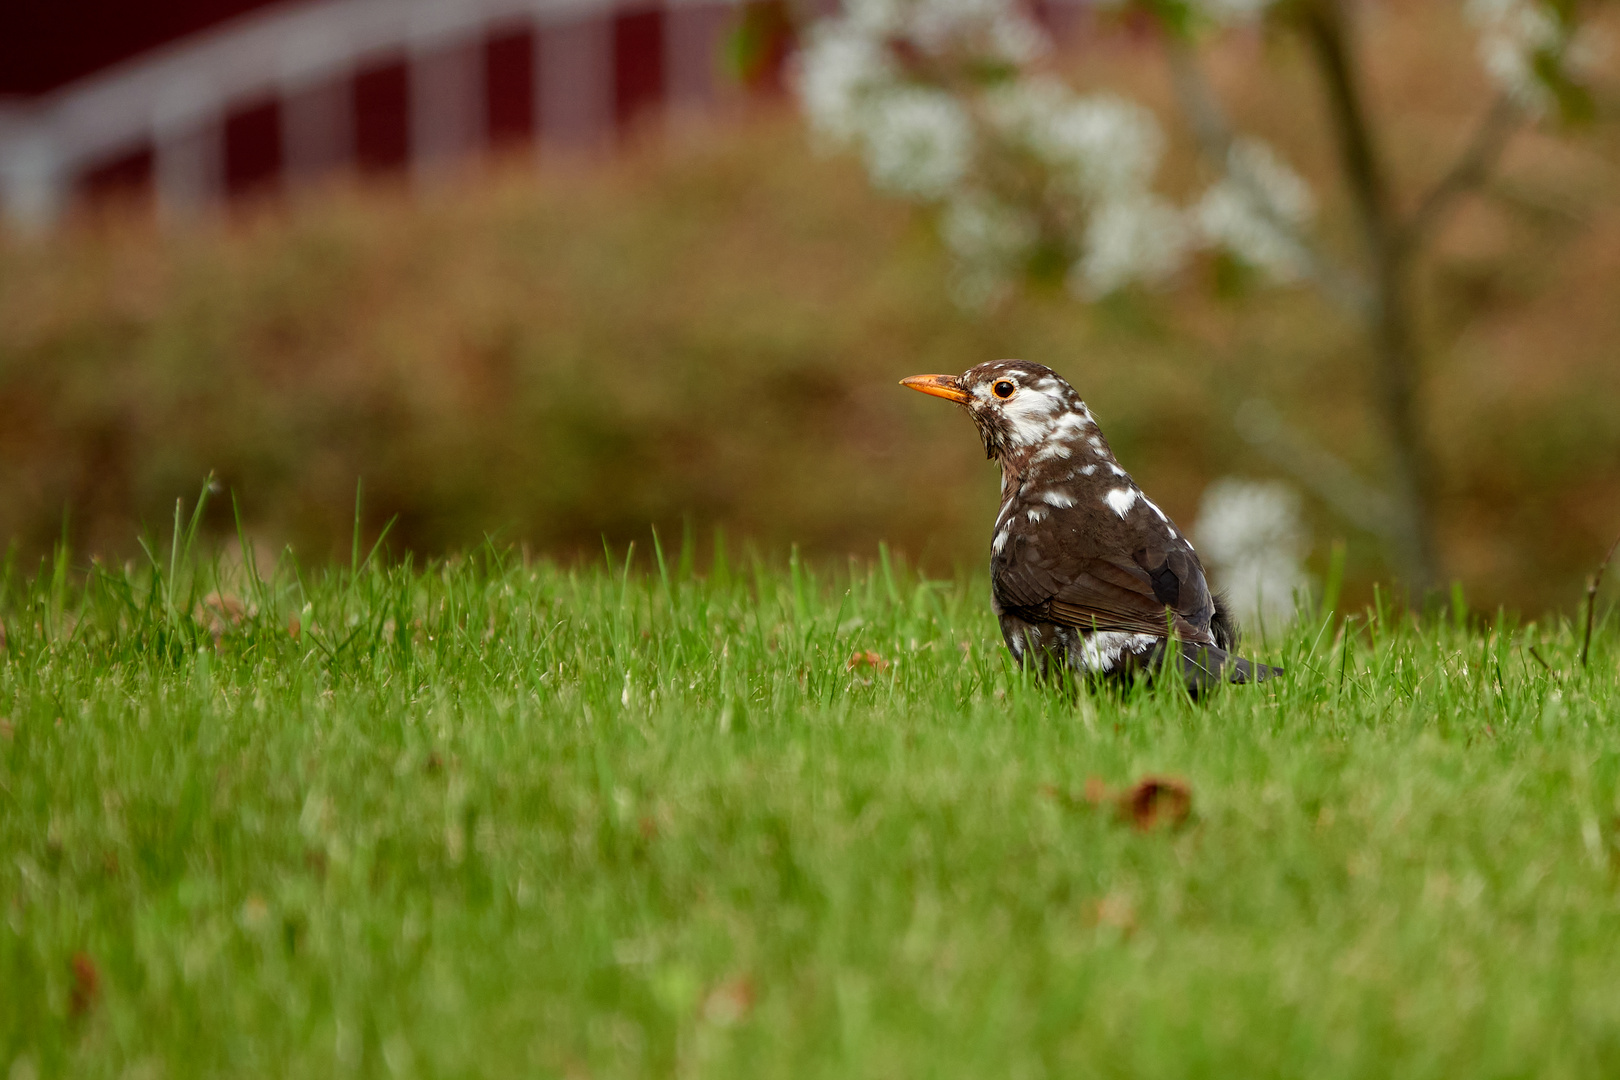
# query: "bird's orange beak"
944, 386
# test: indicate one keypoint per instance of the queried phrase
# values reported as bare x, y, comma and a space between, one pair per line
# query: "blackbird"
1087, 574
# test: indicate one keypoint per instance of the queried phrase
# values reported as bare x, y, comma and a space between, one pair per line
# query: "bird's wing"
1087, 573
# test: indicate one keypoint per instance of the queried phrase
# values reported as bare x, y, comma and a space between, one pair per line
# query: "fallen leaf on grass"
220, 612
8, 730
255, 912
866, 658
730, 1002
1096, 791
1117, 911
1156, 800
294, 628
86, 984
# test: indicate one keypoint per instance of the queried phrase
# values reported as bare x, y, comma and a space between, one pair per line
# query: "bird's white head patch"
1019, 406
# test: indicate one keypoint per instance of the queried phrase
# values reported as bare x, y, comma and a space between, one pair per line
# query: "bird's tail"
1204, 666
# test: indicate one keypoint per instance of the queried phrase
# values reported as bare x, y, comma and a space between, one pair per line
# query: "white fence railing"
301, 54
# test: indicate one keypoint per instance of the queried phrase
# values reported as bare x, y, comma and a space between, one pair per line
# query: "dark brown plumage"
1086, 571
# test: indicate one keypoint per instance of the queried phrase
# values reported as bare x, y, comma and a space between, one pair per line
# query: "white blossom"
1252, 539
1512, 33
994, 29
1257, 209
841, 68
944, 103
1141, 237
1220, 12
1107, 146
917, 142
991, 241
982, 228
1015, 159
1232, 11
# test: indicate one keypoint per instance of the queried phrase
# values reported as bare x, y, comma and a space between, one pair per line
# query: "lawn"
495, 817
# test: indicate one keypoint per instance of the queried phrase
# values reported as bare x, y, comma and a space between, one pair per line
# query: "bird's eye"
1004, 389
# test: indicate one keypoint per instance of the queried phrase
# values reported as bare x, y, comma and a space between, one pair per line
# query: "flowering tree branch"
951, 106
1216, 141
1469, 172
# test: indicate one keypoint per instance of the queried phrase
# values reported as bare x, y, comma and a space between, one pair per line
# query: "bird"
1088, 576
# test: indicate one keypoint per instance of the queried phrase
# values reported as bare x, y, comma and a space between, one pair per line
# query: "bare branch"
1392, 325
1318, 468
1215, 138
1470, 171
1591, 598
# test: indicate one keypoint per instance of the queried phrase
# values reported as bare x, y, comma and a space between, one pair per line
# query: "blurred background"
556, 272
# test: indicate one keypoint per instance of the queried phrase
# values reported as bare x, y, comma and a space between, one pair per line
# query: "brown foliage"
730, 1002
1151, 802
712, 329
86, 984
220, 613
1154, 801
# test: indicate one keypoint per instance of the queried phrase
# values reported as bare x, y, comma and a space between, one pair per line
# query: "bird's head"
1019, 407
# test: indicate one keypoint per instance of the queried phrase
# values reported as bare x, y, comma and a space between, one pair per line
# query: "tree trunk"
1390, 323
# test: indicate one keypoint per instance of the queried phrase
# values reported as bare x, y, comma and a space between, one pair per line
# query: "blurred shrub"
712, 330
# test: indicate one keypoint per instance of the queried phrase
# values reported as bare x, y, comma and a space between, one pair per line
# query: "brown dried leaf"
1116, 910
294, 628
730, 1002
866, 658
1156, 800
220, 612
8, 730
1096, 791
255, 912
86, 984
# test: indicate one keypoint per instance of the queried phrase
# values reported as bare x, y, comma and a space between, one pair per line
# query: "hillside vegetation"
710, 325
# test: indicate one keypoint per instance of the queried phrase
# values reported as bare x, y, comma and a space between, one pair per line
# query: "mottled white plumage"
1087, 572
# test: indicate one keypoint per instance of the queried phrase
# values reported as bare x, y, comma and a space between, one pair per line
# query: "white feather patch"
1052, 450
1070, 424
1056, 498
1029, 414
1120, 500
1101, 650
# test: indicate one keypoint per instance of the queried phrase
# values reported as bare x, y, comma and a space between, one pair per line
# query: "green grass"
496, 818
